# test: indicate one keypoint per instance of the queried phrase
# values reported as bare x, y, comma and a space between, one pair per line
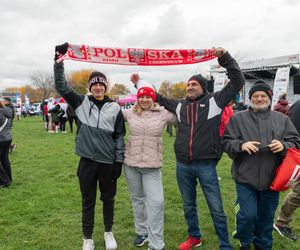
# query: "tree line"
42, 86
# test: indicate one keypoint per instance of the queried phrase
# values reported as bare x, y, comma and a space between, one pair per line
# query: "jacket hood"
283, 102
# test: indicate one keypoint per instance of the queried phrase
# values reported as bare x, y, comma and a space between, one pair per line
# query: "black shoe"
140, 240
5, 185
285, 232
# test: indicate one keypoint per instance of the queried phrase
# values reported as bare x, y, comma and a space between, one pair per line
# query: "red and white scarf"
137, 56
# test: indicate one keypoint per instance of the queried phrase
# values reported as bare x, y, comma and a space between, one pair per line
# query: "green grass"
42, 208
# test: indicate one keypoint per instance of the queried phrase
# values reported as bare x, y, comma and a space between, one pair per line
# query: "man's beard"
260, 108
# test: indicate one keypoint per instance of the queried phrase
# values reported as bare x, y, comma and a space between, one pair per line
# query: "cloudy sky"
250, 30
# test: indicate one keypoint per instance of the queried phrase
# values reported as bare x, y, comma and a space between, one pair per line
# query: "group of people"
56, 114
256, 139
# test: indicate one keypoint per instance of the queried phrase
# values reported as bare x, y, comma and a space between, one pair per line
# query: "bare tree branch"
44, 81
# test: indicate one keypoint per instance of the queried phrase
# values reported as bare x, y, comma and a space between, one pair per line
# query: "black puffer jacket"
199, 119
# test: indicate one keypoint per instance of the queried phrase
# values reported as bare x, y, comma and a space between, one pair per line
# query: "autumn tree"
165, 89
12, 90
79, 80
178, 90
119, 89
34, 95
44, 81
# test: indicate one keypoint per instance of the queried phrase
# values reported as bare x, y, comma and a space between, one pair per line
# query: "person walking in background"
51, 125
12, 146
71, 116
45, 114
62, 116
42, 109
257, 140
292, 200
5, 141
197, 147
18, 112
142, 165
100, 145
55, 111
23, 111
282, 105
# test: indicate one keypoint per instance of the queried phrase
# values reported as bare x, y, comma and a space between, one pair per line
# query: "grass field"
42, 208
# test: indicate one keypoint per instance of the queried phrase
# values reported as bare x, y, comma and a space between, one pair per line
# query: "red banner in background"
137, 56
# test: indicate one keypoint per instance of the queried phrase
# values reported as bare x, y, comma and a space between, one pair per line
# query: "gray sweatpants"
145, 186
290, 203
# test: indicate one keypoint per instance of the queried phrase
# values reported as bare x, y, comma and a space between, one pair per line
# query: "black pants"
90, 173
70, 120
62, 124
5, 168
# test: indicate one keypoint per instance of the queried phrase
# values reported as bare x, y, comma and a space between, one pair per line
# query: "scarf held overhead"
137, 56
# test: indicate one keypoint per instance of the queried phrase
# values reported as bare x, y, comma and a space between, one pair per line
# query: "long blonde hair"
139, 110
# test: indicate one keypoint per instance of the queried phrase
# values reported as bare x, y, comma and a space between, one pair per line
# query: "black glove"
117, 170
61, 50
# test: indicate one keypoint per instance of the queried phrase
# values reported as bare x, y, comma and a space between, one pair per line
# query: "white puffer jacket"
144, 146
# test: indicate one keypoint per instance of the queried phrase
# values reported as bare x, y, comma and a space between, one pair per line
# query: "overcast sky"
30, 29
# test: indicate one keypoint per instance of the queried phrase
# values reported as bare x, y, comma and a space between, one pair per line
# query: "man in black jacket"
257, 140
99, 143
197, 146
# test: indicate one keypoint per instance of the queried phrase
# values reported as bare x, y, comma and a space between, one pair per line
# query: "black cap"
201, 80
261, 85
97, 77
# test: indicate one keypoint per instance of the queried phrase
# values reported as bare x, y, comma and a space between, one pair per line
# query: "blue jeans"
205, 172
255, 215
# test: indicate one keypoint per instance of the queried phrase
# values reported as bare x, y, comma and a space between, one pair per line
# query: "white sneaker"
110, 242
88, 244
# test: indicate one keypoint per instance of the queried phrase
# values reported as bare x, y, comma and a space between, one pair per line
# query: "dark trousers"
90, 173
255, 214
70, 120
62, 124
5, 168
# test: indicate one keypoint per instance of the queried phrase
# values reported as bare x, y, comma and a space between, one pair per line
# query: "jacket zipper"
191, 134
98, 118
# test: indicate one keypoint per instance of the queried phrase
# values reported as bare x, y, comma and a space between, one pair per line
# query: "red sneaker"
190, 243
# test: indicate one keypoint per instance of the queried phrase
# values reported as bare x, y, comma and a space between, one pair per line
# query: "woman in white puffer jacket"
143, 162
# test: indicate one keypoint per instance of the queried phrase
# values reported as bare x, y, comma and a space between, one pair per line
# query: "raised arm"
61, 84
235, 75
170, 104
